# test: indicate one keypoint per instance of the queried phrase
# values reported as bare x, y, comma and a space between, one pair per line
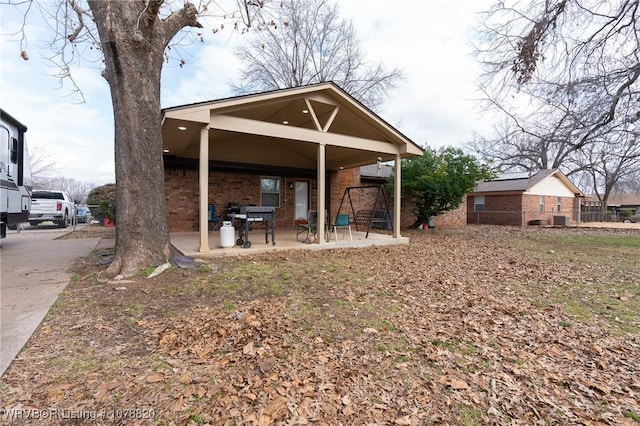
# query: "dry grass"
473, 326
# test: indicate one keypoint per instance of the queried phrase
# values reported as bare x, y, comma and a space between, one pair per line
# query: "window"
270, 192
542, 204
559, 207
48, 195
478, 203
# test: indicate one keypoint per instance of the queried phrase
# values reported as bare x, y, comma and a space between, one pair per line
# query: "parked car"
83, 215
55, 206
631, 219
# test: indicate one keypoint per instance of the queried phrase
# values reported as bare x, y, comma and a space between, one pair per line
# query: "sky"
429, 40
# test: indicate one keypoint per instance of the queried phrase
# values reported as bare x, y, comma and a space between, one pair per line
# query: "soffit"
252, 129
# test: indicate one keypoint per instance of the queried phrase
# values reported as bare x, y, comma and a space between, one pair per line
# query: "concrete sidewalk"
33, 273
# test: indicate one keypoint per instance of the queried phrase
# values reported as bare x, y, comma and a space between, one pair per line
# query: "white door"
302, 198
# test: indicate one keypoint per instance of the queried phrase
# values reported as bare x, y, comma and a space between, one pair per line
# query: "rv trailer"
15, 174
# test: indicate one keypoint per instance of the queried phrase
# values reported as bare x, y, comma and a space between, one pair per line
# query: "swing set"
363, 217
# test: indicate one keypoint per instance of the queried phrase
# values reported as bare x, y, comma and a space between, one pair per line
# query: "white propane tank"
227, 234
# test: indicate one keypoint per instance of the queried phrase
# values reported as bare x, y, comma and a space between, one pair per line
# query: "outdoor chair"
311, 227
215, 222
302, 226
342, 222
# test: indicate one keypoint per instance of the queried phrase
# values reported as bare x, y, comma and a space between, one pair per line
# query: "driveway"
33, 267
617, 225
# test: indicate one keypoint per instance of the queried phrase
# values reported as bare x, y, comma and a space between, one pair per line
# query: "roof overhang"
283, 128
497, 193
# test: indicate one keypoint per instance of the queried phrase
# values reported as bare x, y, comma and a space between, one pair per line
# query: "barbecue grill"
250, 215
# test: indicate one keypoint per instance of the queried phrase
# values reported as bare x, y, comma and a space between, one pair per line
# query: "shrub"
102, 202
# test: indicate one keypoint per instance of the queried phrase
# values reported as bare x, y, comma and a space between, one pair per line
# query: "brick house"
618, 207
293, 149
519, 199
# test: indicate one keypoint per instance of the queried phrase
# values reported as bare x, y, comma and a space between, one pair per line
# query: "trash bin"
227, 234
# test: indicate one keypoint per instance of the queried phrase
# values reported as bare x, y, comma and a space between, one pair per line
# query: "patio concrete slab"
188, 242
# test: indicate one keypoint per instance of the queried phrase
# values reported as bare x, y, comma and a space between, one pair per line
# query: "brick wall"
338, 181
181, 187
499, 210
531, 205
453, 218
181, 191
518, 209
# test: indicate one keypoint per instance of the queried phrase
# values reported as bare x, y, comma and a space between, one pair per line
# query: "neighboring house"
622, 205
519, 199
292, 149
618, 205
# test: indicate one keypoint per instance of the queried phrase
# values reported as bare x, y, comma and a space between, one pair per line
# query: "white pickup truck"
54, 206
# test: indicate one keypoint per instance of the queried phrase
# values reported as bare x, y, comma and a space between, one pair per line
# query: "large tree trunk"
133, 40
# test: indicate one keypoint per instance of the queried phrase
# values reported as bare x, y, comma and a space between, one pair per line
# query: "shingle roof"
514, 182
372, 170
619, 199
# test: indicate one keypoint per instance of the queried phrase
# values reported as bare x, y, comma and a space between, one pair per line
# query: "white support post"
321, 193
397, 193
203, 173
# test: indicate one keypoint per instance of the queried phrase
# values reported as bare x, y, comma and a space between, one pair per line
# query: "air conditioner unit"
561, 221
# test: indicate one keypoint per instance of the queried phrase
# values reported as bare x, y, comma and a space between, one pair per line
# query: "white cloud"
428, 40
203, 78
77, 137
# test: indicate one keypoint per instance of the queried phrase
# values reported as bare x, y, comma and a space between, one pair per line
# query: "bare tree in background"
78, 190
630, 184
42, 167
563, 74
130, 40
308, 42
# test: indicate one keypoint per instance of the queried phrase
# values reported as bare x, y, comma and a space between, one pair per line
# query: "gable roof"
284, 127
522, 181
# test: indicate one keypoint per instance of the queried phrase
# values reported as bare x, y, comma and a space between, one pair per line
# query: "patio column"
397, 193
321, 190
203, 173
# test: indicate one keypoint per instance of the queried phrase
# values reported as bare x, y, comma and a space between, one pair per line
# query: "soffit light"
182, 128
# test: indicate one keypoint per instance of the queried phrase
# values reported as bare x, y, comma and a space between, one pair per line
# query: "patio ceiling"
283, 128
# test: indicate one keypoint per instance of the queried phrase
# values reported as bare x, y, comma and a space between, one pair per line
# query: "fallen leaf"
248, 349
459, 384
155, 378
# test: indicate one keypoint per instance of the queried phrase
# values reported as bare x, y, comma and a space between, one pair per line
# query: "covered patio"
307, 134
188, 243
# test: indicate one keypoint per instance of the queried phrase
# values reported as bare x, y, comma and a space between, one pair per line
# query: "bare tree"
306, 43
607, 166
131, 38
78, 190
563, 74
42, 166
629, 184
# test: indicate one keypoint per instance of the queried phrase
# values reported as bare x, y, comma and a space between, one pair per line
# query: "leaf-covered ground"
483, 325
